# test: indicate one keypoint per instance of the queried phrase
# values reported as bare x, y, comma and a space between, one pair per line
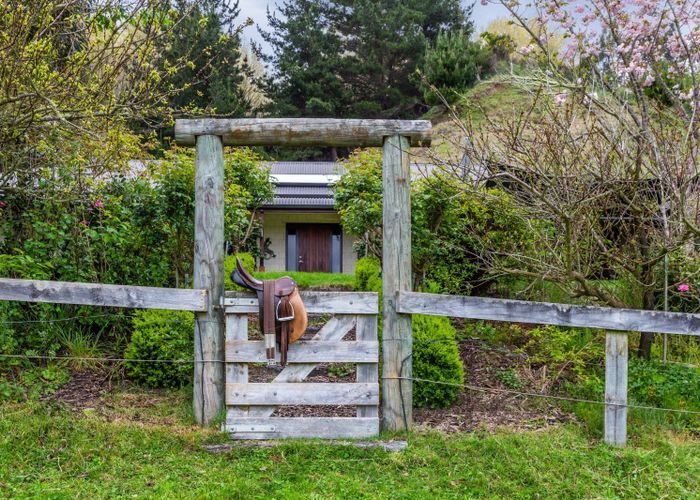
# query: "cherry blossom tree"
605, 148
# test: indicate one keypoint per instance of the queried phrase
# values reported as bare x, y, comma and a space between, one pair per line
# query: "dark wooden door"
314, 248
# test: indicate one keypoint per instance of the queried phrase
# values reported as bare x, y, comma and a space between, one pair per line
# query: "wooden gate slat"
302, 427
312, 351
303, 394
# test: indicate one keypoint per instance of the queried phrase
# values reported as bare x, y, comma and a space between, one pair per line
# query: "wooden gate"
250, 406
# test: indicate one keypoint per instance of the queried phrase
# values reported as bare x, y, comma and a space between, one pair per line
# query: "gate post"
208, 400
397, 337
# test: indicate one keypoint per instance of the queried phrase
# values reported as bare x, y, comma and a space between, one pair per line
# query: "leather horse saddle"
282, 314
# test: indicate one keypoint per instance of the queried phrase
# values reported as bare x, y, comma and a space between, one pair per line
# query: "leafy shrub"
458, 234
650, 383
567, 352
435, 352
435, 357
451, 66
161, 335
367, 274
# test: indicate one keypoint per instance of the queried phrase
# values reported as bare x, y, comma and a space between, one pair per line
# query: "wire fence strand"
544, 396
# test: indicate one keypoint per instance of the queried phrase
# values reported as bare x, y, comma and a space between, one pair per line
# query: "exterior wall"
275, 228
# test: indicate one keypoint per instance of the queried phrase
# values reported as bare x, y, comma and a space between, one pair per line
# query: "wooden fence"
607, 318
250, 406
398, 303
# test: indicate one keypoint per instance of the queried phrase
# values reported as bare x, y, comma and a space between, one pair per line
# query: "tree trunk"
648, 297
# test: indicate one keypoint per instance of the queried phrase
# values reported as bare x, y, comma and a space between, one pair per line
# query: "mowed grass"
48, 451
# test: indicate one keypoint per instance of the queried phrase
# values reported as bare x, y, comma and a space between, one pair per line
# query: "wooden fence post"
397, 338
616, 388
208, 400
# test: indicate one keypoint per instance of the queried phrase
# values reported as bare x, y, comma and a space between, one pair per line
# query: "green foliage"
247, 260
569, 353
650, 383
161, 335
368, 272
458, 234
307, 57
452, 65
341, 58
435, 357
510, 379
358, 199
207, 40
435, 353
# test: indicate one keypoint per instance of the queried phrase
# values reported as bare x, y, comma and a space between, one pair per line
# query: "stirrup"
286, 318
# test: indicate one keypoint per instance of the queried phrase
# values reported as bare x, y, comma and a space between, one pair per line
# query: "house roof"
308, 185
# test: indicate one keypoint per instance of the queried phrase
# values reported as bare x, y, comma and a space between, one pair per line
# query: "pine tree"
307, 57
451, 66
207, 36
385, 41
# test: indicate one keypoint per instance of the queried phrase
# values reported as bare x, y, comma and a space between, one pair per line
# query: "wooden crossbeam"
325, 132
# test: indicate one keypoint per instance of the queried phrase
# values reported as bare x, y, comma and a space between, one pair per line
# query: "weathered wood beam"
209, 377
397, 337
616, 364
522, 311
309, 351
303, 394
314, 302
94, 294
302, 427
326, 132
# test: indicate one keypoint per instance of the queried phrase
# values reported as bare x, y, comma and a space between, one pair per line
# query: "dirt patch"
489, 410
85, 389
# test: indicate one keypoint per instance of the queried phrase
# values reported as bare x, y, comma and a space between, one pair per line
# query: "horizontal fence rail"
314, 302
302, 131
307, 393
523, 311
300, 427
94, 294
253, 351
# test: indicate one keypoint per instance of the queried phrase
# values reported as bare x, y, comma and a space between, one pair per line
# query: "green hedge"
435, 352
161, 335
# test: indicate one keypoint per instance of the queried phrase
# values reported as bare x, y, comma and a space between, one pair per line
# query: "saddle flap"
241, 277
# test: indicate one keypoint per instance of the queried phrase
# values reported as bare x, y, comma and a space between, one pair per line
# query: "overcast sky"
255, 9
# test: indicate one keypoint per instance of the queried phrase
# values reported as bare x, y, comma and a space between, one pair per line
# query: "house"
301, 228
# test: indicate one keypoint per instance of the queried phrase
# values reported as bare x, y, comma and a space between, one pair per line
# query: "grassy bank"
48, 451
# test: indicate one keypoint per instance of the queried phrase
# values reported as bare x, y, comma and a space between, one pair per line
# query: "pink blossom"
3, 204
580, 9
560, 99
683, 287
84, 222
98, 204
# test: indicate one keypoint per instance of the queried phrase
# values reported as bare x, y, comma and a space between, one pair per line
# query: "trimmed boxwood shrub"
435, 353
435, 357
161, 335
367, 275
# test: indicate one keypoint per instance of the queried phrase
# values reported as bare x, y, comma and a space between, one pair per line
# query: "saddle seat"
282, 314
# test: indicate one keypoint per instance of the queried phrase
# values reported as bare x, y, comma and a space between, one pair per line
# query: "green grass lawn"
305, 281
47, 451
